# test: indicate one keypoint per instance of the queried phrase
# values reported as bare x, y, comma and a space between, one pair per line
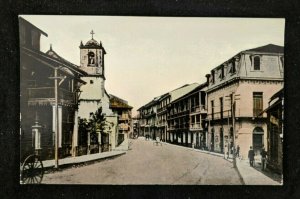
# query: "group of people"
263, 154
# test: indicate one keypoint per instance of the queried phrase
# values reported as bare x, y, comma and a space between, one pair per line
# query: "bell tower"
92, 57
93, 93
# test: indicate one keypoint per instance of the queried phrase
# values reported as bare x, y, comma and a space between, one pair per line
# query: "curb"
202, 151
67, 165
240, 175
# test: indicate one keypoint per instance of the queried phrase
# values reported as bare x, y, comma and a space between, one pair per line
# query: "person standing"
237, 151
251, 156
263, 154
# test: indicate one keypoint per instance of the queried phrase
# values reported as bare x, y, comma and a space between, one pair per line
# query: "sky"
150, 56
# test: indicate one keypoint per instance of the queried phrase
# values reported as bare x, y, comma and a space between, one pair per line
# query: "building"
123, 110
275, 131
94, 96
148, 119
162, 124
238, 90
153, 115
38, 72
186, 119
136, 126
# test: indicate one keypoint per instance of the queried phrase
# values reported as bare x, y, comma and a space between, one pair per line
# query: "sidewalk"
249, 175
83, 158
255, 176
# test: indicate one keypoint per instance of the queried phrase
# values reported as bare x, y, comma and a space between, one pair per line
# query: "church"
92, 97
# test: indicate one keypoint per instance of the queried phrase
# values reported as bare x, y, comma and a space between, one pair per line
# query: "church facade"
94, 96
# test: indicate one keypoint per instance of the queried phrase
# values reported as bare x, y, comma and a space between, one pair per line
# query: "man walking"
263, 154
251, 156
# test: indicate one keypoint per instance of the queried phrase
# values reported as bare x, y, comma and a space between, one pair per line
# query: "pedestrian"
237, 151
263, 154
251, 156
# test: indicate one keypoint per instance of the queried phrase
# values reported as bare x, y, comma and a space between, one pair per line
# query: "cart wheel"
32, 170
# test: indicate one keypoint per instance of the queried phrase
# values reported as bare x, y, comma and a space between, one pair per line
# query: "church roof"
92, 42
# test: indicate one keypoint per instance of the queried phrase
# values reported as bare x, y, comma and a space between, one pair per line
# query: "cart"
31, 170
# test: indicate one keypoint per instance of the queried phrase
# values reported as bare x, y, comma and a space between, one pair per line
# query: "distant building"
136, 126
186, 119
153, 115
37, 96
148, 119
121, 108
244, 84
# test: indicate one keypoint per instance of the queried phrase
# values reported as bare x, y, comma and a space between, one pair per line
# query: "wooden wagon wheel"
32, 171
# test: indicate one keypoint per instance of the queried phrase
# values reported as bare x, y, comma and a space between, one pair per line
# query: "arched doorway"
257, 139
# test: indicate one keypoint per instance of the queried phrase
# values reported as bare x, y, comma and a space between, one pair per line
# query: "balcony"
46, 95
149, 114
178, 114
123, 118
198, 109
195, 126
123, 127
162, 110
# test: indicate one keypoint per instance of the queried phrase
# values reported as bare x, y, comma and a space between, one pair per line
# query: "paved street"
146, 163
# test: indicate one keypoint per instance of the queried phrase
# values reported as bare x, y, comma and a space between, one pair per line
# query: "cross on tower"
92, 33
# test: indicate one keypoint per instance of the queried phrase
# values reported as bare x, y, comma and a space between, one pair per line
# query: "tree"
96, 123
83, 127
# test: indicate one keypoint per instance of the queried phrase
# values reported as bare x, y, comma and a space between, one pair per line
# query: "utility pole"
56, 84
232, 107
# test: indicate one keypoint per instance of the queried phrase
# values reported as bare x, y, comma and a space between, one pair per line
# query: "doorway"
258, 140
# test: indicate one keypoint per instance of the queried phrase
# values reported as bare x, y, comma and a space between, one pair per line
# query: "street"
146, 163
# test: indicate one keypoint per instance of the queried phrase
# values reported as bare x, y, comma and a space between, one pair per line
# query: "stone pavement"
84, 158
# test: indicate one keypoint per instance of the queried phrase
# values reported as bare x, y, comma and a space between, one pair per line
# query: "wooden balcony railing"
199, 109
47, 95
196, 126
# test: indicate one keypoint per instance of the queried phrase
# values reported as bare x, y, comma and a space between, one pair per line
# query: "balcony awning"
54, 63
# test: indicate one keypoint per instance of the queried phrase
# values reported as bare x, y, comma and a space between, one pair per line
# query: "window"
221, 107
222, 72
257, 103
282, 61
91, 58
212, 109
91, 81
233, 70
213, 76
257, 63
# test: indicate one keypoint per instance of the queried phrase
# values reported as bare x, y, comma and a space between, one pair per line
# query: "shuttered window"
257, 63
257, 103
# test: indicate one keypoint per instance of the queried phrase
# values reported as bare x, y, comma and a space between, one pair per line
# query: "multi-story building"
162, 112
148, 119
123, 110
38, 73
238, 91
186, 118
136, 126
153, 115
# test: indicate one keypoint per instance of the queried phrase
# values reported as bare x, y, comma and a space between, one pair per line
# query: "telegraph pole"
232, 107
56, 118
56, 84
